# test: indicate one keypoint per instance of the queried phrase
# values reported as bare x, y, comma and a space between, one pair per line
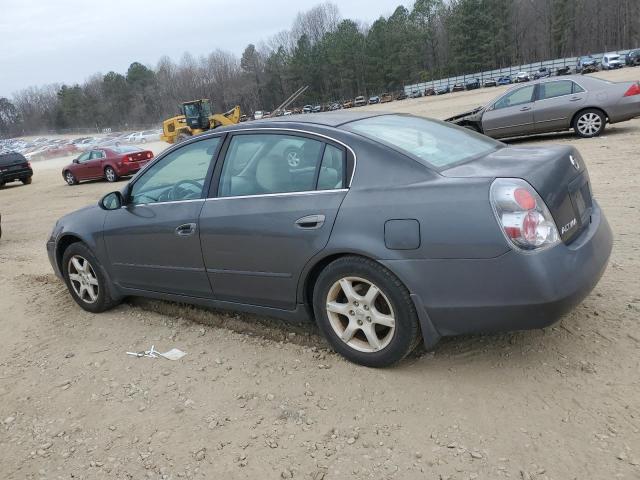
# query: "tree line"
338, 58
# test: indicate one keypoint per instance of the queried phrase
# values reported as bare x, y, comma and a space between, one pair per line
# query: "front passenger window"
517, 97
178, 176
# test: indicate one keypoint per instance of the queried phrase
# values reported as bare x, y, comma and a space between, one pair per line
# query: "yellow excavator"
196, 118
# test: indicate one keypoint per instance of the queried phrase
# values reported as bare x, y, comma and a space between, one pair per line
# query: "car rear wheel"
589, 123
110, 174
85, 279
69, 178
365, 312
26, 181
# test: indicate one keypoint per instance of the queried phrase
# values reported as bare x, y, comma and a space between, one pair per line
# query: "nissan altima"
384, 229
584, 104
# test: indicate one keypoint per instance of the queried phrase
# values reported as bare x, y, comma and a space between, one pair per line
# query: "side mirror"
75, 160
111, 201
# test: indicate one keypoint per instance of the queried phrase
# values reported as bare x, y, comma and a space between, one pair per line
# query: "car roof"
329, 119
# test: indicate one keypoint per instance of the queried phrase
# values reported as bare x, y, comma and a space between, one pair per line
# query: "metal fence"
511, 71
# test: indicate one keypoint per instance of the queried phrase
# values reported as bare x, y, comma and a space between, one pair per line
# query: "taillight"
522, 214
633, 90
127, 158
149, 155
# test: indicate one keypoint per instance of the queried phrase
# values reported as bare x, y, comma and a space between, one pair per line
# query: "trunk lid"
557, 173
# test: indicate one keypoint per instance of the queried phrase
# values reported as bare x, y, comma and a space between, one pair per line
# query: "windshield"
434, 143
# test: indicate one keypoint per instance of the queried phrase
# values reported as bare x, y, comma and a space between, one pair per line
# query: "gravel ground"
255, 398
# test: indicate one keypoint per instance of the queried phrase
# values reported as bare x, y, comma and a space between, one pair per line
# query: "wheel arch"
314, 268
575, 115
63, 243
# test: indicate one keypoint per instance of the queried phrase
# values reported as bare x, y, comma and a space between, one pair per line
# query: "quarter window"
332, 169
269, 163
180, 175
517, 97
555, 89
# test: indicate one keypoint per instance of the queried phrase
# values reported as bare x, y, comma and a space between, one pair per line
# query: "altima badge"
574, 162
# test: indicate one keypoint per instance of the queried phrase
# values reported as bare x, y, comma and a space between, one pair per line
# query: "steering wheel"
179, 193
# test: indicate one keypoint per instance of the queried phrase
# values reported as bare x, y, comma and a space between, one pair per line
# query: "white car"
611, 61
522, 77
258, 115
143, 137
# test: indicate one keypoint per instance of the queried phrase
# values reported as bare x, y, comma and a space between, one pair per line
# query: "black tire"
70, 178
406, 334
26, 181
110, 174
583, 116
2, 184
104, 300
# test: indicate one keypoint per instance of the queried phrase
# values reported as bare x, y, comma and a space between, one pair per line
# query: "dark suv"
13, 167
632, 58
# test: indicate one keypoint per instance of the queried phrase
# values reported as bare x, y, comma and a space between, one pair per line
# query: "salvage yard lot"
255, 398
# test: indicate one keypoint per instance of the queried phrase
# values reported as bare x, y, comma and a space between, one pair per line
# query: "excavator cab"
197, 113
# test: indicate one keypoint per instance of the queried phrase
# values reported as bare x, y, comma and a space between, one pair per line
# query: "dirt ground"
255, 398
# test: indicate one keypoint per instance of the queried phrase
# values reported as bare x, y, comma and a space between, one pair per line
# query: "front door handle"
186, 229
310, 222
524, 109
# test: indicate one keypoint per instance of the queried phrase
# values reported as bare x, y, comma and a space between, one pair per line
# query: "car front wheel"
589, 123
365, 312
85, 279
70, 179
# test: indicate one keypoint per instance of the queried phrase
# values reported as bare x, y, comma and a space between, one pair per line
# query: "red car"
110, 163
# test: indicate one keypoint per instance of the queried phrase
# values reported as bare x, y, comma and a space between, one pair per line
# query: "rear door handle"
310, 222
575, 99
524, 109
186, 229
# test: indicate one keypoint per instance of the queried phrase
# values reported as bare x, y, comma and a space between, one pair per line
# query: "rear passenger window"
270, 163
555, 89
577, 88
332, 169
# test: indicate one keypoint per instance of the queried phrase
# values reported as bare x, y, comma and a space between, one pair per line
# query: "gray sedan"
585, 104
384, 229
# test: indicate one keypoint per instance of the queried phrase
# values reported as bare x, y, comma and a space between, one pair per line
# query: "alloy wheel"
69, 178
293, 159
589, 124
110, 174
360, 314
83, 279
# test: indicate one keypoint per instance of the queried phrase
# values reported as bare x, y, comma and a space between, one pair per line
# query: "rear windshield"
11, 158
125, 149
434, 143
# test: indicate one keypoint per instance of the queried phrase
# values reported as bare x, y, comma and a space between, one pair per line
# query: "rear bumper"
514, 291
12, 176
125, 169
626, 109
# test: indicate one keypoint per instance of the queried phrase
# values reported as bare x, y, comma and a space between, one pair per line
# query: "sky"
66, 41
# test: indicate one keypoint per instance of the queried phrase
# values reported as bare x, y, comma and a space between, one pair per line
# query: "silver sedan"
585, 104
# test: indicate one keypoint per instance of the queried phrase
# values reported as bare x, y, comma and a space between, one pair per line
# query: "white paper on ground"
173, 354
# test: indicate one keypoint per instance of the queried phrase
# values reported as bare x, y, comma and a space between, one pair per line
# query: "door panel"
511, 115
556, 105
153, 241
253, 248
146, 251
